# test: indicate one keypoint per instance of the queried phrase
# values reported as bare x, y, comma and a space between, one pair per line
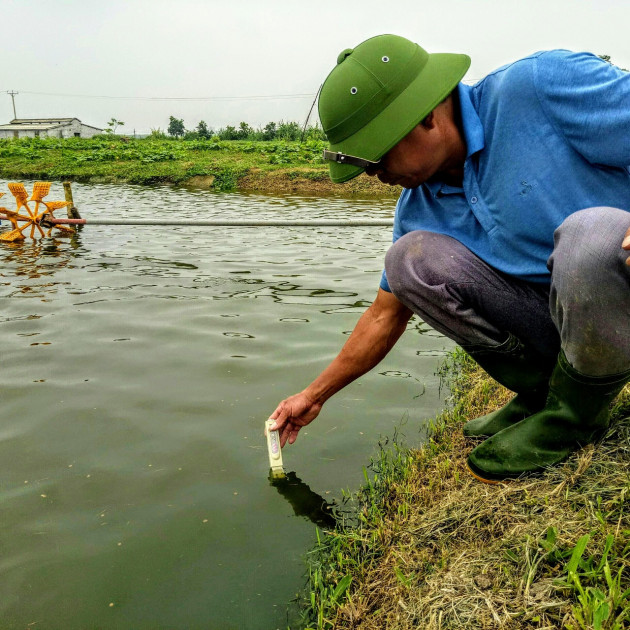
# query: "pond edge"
434, 548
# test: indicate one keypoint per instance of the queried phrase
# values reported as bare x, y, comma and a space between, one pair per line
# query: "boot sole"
491, 479
478, 477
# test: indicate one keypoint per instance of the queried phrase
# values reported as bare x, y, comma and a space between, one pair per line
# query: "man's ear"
428, 122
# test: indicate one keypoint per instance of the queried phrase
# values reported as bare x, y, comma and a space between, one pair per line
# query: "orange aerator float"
23, 217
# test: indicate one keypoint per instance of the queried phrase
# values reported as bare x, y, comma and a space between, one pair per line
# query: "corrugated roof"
91, 126
41, 124
38, 121
36, 127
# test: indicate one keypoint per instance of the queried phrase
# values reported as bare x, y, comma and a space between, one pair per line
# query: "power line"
179, 98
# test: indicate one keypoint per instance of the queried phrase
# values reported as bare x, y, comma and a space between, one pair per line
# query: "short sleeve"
588, 101
397, 232
384, 284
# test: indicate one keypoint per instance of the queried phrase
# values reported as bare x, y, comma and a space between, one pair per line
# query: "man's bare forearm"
374, 335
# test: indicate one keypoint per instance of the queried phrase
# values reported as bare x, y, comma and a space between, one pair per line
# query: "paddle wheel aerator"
36, 218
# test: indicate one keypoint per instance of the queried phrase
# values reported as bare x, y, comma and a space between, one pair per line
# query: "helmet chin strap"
343, 158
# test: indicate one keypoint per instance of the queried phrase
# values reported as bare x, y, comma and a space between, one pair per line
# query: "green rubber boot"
520, 369
576, 413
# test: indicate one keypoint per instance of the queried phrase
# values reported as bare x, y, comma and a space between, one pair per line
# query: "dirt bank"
305, 181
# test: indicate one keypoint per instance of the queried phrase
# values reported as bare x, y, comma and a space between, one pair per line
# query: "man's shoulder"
525, 76
512, 81
525, 65
544, 66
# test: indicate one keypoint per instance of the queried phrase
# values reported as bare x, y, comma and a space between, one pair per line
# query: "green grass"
433, 548
150, 160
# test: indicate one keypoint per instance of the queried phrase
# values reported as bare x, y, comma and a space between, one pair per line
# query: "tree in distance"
176, 127
203, 131
113, 124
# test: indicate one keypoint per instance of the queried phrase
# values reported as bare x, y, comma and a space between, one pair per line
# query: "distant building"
47, 128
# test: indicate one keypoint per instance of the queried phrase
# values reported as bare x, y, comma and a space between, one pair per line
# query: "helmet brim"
438, 78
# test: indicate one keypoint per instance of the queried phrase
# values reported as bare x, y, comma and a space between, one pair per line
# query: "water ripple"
131, 423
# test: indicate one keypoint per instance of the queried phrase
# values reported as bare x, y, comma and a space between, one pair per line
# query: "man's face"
434, 146
416, 158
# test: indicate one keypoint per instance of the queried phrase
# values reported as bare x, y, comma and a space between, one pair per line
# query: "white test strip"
273, 447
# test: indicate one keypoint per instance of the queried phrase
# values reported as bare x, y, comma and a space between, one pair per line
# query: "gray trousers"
585, 310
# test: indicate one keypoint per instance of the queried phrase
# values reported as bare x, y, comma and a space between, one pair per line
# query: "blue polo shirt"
546, 136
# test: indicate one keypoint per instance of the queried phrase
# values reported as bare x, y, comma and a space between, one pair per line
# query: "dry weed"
438, 550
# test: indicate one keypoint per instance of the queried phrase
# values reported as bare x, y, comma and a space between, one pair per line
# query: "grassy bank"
435, 549
222, 165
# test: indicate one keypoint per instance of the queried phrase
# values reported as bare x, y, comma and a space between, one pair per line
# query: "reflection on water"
304, 501
138, 367
34, 259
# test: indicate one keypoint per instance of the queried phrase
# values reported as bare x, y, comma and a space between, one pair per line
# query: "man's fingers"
280, 415
293, 435
287, 431
626, 240
291, 415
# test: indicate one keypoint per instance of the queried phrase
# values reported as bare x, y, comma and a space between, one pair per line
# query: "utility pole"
13, 94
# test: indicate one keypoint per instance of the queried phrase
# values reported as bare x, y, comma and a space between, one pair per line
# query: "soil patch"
201, 181
311, 182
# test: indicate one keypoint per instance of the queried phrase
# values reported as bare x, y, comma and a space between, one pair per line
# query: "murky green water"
138, 366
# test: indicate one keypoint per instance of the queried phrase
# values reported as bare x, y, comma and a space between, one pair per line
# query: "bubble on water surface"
396, 374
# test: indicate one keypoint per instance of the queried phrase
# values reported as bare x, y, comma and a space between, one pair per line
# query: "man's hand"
373, 337
292, 414
626, 244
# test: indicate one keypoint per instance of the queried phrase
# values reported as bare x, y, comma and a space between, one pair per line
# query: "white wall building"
47, 128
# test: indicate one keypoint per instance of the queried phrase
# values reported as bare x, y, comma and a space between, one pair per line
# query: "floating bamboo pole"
229, 223
74, 218
47, 221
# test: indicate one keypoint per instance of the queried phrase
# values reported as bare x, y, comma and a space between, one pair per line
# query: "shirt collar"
473, 129
439, 188
473, 134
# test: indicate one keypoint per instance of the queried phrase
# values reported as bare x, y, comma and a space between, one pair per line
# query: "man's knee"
590, 289
420, 257
587, 245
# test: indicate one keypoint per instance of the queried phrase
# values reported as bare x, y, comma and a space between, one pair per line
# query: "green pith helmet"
377, 93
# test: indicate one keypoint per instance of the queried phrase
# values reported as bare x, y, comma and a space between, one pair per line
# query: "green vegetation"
433, 548
608, 59
154, 159
176, 127
275, 165
202, 131
283, 130
113, 124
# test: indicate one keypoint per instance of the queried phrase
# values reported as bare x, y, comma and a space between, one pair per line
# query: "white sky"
221, 48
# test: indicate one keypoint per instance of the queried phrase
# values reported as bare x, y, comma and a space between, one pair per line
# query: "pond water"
138, 367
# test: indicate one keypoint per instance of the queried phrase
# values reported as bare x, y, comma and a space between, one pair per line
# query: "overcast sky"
62, 54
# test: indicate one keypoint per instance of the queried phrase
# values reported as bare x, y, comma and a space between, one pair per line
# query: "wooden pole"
73, 213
